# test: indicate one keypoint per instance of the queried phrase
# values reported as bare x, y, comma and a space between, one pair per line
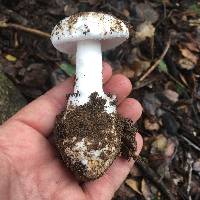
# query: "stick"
190, 162
190, 143
175, 80
146, 82
156, 63
24, 28
152, 176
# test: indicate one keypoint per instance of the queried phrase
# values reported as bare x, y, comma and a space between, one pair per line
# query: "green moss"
11, 99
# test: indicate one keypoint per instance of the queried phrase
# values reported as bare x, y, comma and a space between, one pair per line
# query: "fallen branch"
24, 28
152, 176
157, 62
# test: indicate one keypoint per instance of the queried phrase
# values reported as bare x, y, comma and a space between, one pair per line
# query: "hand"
29, 167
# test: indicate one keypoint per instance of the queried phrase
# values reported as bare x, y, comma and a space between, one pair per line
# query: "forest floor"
161, 59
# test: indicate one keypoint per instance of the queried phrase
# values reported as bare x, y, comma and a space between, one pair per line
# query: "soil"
10, 98
162, 63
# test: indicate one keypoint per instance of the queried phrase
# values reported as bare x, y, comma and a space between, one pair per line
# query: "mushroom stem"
88, 71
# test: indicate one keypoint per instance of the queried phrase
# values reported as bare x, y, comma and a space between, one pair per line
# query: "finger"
107, 72
41, 113
118, 85
129, 108
107, 185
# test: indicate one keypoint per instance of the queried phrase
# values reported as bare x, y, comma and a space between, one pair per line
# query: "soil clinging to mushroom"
89, 139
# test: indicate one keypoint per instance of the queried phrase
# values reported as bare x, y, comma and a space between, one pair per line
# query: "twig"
190, 162
24, 28
157, 62
190, 143
152, 176
146, 82
165, 10
189, 135
175, 80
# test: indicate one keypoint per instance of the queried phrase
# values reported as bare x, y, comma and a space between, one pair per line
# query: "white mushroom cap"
109, 30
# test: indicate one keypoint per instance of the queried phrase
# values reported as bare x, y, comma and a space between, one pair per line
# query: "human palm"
29, 166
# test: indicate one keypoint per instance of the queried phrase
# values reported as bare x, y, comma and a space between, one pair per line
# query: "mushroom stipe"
85, 142
89, 133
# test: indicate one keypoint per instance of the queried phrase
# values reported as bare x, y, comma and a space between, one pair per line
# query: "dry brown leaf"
177, 180
196, 166
139, 66
126, 71
171, 95
186, 64
146, 190
171, 147
167, 2
137, 62
183, 108
159, 144
145, 30
194, 22
133, 185
188, 54
183, 79
135, 171
151, 125
192, 46
10, 58
126, 12
145, 12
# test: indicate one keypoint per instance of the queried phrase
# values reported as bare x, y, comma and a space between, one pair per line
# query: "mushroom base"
89, 139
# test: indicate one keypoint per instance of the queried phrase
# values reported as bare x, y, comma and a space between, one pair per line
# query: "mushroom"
87, 35
88, 132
